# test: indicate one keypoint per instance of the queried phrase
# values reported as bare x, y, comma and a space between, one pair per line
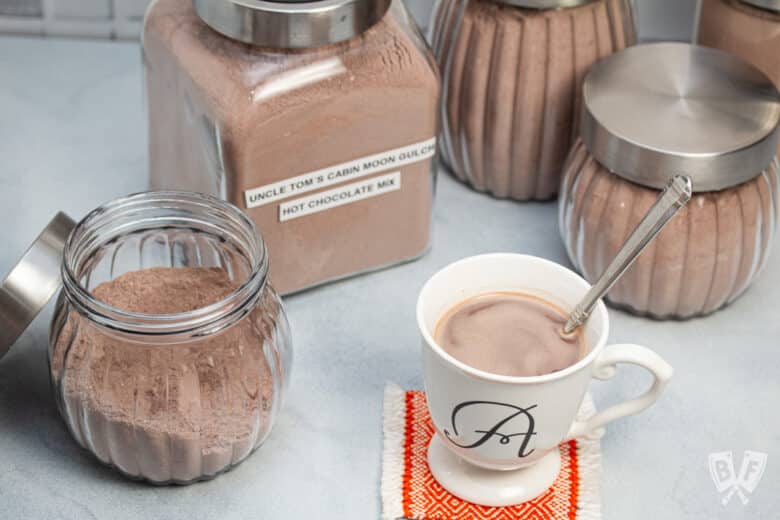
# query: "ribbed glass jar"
511, 87
168, 398
705, 257
747, 31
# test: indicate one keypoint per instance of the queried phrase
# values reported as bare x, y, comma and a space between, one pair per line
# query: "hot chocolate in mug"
496, 437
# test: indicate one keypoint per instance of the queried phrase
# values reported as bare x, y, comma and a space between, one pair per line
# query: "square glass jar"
328, 148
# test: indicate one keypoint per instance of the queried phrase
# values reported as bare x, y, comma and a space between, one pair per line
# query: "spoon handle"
676, 194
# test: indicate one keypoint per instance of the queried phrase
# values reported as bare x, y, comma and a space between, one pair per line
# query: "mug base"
491, 487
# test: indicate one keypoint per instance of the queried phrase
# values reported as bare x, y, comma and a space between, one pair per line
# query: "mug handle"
605, 367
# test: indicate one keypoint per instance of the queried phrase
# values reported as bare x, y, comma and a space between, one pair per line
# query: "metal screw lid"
32, 281
771, 5
545, 4
651, 111
291, 23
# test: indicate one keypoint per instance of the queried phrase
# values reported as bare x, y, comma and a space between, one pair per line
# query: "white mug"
496, 422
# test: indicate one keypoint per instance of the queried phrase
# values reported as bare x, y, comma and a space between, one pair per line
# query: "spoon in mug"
674, 197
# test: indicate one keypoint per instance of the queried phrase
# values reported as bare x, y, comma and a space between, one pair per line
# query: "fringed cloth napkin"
409, 491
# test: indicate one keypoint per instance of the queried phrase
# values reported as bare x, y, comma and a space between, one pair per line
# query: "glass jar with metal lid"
653, 111
318, 119
512, 72
169, 351
749, 29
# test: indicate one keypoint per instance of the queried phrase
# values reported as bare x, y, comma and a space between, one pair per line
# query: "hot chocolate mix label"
362, 167
340, 196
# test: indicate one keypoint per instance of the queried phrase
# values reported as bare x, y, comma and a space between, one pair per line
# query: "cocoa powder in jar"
165, 412
227, 118
657, 110
704, 258
512, 86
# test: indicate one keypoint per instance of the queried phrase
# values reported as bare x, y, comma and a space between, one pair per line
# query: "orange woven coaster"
409, 491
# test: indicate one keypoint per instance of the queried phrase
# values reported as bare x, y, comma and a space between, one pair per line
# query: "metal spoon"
676, 195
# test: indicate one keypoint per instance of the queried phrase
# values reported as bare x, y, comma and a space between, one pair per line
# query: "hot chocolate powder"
704, 258
512, 87
749, 32
165, 412
227, 117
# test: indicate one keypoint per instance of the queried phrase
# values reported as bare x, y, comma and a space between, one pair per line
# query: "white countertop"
72, 135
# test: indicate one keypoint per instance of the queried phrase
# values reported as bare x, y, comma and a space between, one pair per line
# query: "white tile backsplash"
130, 9
129, 29
73, 18
21, 25
76, 28
81, 10
22, 8
657, 19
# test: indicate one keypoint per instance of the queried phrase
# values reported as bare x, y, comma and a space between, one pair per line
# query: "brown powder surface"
704, 258
512, 83
165, 412
165, 290
226, 117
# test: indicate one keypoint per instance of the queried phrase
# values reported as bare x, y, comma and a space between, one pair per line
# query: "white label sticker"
391, 159
339, 196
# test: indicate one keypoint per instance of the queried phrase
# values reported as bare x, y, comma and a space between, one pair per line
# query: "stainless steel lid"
545, 4
290, 23
772, 5
32, 281
653, 111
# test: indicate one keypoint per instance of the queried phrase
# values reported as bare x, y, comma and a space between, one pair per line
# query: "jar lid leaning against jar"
169, 351
653, 111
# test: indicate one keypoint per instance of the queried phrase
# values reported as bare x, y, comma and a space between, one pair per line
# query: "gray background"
657, 19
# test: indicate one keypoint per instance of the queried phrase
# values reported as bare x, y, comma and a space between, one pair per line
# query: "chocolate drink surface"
509, 334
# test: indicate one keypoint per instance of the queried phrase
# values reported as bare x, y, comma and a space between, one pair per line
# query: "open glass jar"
169, 397
512, 73
318, 119
653, 111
